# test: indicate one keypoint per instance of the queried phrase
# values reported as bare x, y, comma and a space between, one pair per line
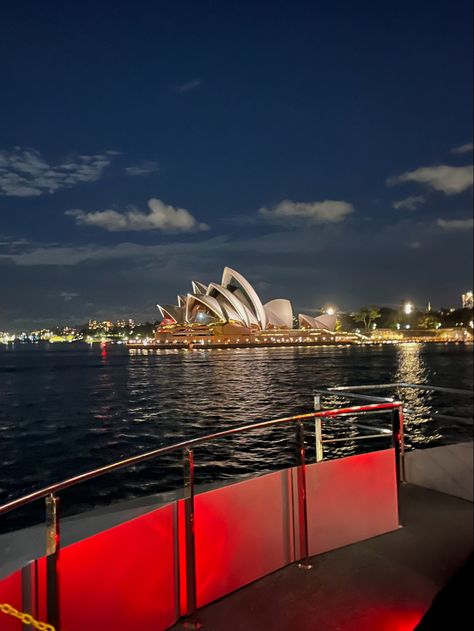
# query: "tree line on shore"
373, 316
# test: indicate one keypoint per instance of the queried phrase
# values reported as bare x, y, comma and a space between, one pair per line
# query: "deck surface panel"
383, 584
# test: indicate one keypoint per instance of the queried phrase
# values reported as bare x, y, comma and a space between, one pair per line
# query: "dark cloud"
340, 264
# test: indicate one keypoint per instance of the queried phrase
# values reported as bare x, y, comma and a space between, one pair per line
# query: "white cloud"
456, 224
189, 86
448, 179
160, 217
463, 148
328, 211
142, 168
409, 203
68, 295
25, 173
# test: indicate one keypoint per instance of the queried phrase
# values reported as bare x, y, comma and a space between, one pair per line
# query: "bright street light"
408, 308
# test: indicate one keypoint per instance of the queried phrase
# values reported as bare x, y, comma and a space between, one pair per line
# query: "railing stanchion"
318, 434
398, 442
190, 539
401, 416
302, 498
52, 560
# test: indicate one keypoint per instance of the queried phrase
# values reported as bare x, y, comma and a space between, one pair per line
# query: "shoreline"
235, 345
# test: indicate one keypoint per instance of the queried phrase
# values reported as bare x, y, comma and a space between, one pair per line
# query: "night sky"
323, 149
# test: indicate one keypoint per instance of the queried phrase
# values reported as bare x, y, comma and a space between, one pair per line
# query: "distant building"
233, 308
468, 300
423, 335
105, 324
235, 302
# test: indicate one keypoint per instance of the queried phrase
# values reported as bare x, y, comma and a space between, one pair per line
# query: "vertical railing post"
401, 417
318, 434
398, 442
52, 561
302, 499
190, 538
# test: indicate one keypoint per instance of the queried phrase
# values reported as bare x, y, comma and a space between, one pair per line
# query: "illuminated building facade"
231, 310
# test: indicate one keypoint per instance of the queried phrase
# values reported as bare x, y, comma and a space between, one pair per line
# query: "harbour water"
69, 408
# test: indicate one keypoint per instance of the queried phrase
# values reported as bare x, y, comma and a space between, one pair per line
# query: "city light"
467, 300
330, 310
408, 308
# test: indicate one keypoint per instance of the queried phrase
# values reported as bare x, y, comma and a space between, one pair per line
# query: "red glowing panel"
10, 593
243, 532
351, 499
123, 578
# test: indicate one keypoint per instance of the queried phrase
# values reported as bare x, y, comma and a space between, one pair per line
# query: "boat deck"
382, 584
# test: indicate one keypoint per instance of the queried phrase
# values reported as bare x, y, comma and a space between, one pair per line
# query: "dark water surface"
69, 408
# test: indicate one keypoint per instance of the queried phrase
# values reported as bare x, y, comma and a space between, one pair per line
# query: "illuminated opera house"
232, 312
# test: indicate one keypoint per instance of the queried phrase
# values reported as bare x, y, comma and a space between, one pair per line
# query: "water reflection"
411, 368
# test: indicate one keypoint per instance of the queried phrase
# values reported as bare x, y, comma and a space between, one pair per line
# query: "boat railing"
336, 394
356, 392
51, 493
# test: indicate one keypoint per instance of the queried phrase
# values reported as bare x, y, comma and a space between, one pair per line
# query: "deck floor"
383, 584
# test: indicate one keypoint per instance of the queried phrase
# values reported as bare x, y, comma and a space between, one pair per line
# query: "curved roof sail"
279, 313
232, 316
306, 321
177, 314
238, 285
198, 288
326, 321
251, 317
225, 296
210, 304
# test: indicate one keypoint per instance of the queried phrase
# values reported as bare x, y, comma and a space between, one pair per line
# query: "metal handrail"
353, 395
353, 438
52, 489
379, 386
354, 392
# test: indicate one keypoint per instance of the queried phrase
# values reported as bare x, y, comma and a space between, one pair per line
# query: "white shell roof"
279, 312
208, 301
255, 303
